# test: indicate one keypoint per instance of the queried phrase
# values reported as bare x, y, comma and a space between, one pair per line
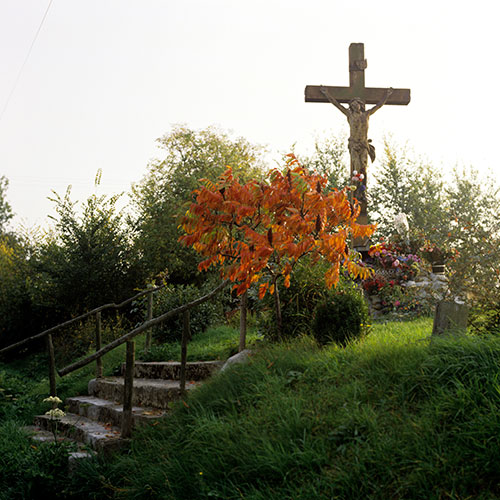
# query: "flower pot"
438, 268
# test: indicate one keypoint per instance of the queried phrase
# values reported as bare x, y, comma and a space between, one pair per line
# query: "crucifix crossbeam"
370, 95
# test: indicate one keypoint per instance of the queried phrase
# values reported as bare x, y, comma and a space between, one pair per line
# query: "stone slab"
99, 436
157, 393
103, 410
198, 370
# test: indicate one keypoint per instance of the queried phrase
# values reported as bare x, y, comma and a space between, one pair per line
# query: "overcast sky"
105, 78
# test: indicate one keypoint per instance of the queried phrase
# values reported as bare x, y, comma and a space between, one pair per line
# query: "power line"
25, 61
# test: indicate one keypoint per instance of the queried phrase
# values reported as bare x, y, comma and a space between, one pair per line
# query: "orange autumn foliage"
259, 230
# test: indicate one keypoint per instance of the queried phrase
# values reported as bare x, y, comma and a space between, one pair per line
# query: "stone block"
451, 318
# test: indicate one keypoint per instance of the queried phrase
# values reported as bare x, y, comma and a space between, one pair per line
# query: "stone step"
198, 370
99, 436
39, 435
103, 410
156, 393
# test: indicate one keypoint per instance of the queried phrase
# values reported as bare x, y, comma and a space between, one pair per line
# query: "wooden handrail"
78, 318
130, 335
130, 358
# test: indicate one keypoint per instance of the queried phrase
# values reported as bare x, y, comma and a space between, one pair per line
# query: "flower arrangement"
387, 256
374, 284
357, 176
438, 254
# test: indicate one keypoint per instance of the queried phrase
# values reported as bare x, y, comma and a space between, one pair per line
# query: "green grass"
27, 470
218, 342
392, 416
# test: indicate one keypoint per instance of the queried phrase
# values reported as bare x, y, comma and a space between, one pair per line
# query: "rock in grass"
241, 357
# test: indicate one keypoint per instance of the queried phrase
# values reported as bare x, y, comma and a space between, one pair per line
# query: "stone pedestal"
450, 318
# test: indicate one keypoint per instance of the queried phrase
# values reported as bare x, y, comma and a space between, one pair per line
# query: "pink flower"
395, 263
397, 303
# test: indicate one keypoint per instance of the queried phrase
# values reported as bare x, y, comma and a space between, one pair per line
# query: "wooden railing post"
147, 345
186, 333
52, 365
128, 390
98, 344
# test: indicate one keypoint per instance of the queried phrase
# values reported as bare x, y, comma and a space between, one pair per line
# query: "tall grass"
393, 416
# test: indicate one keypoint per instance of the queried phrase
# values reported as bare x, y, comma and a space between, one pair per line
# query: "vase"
438, 268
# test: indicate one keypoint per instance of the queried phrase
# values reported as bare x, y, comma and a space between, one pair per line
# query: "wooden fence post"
52, 365
186, 334
147, 345
128, 390
98, 344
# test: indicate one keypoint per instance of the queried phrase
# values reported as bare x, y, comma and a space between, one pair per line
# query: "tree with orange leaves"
256, 232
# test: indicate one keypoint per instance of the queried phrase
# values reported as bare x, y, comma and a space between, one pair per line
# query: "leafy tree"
87, 260
456, 215
15, 304
5, 208
256, 232
159, 198
415, 188
474, 205
329, 159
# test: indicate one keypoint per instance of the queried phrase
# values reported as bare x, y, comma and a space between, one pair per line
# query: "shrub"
76, 339
201, 317
341, 317
307, 289
485, 320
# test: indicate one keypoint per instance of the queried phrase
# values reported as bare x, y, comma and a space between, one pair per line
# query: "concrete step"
103, 410
156, 393
99, 436
39, 435
198, 370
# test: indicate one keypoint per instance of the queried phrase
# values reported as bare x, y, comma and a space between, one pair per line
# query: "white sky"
107, 77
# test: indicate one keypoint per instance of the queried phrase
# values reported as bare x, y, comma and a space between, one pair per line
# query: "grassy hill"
393, 416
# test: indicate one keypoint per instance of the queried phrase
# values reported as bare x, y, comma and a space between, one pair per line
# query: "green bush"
341, 317
76, 339
201, 317
485, 320
307, 289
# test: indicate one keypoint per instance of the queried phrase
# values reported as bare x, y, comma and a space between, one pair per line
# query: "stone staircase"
94, 421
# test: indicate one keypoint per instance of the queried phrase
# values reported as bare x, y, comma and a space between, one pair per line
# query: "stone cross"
357, 96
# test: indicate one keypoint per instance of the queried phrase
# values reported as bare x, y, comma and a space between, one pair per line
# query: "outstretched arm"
333, 100
377, 106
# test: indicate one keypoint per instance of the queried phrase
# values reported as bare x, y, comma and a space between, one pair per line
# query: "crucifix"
357, 96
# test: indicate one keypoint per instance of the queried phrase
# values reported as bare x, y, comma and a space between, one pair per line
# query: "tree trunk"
186, 335
277, 308
243, 321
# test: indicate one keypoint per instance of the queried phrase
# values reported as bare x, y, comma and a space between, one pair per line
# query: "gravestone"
450, 318
357, 96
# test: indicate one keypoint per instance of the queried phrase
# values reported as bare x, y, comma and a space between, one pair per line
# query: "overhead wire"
16, 82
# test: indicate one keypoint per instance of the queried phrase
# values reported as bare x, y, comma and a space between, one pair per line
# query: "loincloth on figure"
361, 147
